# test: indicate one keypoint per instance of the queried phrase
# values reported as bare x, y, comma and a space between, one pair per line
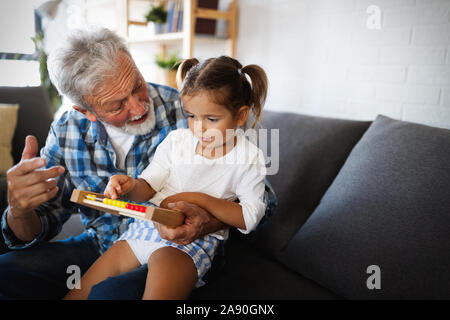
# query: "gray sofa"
363, 213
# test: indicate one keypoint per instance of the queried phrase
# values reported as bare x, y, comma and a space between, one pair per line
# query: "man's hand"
198, 222
28, 185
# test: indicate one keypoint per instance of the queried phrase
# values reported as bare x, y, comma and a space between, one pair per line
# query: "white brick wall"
322, 59
445, 98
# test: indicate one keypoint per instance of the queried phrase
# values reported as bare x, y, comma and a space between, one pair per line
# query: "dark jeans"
40, 272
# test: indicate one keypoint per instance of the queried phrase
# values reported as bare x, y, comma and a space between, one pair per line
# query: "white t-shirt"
121, 142
239, 174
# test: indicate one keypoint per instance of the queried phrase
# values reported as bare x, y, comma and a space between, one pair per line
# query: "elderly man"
114, 128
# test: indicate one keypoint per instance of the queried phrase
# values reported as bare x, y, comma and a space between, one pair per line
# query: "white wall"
322, 59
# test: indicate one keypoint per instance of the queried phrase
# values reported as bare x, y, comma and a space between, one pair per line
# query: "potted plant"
53, 95
168, 68
158, 15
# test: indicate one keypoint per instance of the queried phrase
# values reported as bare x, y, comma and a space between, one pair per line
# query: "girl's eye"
189, 115
213, 119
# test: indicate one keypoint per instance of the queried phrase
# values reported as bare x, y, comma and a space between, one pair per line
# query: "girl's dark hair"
225, 78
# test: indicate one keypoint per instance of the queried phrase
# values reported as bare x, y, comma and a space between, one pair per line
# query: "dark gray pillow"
311, 152
389, 206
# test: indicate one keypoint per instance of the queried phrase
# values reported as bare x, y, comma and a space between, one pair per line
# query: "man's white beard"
146, 126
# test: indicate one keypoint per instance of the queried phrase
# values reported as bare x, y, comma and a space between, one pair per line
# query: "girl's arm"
141, 192
226, 211
137, 190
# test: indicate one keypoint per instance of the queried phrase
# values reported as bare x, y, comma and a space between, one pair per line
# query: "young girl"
210, 164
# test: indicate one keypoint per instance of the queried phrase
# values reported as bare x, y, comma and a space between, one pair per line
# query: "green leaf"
157, 14
172, 62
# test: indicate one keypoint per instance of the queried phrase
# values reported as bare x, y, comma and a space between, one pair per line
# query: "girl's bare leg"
116, 260
171, 275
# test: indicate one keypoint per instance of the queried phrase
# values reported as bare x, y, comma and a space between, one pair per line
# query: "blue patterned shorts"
144, 239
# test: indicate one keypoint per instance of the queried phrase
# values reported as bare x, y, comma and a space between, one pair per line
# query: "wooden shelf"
137, 23
212, 14
159, 38
173, 37
191, 12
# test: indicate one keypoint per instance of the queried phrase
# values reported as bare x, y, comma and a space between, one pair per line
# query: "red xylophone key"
135, 207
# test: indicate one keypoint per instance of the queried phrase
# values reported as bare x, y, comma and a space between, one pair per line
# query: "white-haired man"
116, 124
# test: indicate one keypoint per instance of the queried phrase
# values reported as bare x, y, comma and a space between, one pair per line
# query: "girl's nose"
198, 125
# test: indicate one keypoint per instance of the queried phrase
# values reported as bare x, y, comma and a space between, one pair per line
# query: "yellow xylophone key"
91, 197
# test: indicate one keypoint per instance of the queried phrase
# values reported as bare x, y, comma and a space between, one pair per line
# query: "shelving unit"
191, 12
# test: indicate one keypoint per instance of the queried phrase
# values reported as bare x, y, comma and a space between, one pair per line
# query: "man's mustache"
147, 107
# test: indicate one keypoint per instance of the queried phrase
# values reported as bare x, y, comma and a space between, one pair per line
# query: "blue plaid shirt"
83, 148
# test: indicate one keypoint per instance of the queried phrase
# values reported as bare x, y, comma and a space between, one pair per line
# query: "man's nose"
137, 108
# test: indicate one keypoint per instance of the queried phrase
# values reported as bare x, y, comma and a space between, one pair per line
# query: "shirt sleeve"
52, 214
158, 170
250, 192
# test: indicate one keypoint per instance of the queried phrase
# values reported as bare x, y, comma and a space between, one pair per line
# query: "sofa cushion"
311, 152
389, 207
247, 274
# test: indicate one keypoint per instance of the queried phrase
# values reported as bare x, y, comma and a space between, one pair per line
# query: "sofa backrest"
311, 152
381, 230
34, 116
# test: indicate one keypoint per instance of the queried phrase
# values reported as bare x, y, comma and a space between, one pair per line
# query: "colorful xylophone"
98, 201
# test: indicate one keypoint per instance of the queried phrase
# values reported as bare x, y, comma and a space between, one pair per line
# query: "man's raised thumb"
31, 148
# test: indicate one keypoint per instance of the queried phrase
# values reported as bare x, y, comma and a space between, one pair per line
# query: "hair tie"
240, 72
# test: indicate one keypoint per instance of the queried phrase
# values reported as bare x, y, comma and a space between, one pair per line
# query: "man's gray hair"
85, 59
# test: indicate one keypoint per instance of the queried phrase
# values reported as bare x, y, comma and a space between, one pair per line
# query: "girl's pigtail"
259, 87
183, 69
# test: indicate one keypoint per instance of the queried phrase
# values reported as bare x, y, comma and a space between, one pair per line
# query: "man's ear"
92, 117
242, 115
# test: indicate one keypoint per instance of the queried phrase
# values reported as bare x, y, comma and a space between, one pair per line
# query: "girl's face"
209, 122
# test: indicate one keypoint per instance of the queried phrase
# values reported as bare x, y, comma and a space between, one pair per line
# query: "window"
18, 61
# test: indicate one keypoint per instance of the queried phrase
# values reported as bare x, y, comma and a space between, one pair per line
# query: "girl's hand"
119, 184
